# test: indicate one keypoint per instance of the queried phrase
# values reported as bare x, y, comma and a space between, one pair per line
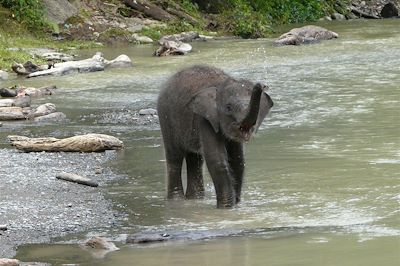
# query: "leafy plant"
28, 12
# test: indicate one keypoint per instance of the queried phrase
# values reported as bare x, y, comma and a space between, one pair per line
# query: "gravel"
35, 206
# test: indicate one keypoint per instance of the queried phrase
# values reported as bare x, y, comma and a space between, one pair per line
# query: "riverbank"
36, 207
85, 24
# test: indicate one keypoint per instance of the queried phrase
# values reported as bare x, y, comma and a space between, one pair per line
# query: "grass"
15, 35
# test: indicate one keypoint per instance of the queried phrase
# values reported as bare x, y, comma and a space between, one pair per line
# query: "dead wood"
80, 143
77, 179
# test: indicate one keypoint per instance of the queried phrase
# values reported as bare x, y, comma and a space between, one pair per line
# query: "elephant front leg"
215, 155
174, 175
236, 162
195, 186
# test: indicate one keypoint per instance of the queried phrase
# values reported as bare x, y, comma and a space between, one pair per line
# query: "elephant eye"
229, 108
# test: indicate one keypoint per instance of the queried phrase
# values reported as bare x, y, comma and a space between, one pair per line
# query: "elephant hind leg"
174, 174
195, 185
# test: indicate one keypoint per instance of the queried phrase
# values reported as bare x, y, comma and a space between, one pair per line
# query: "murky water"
326, 160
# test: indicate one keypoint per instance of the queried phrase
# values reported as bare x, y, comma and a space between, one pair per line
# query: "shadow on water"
327, 157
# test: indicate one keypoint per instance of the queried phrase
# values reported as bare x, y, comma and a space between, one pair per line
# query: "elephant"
207, 115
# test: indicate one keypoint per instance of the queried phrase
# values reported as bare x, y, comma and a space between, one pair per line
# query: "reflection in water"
328, 155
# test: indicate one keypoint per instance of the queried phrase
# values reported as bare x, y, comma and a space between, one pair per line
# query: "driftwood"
77, 179
362, 14
149, 9
81, 143
96, 63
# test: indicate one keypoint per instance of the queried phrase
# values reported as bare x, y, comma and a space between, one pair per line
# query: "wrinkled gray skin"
205, 115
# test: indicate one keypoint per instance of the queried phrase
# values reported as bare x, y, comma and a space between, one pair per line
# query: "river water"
323, 170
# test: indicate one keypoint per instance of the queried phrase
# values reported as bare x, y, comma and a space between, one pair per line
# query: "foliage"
254, 18
28, 12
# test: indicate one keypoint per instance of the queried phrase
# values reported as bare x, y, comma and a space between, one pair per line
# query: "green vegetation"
256, 18
27, 12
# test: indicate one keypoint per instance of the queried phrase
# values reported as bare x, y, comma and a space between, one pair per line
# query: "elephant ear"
204, 104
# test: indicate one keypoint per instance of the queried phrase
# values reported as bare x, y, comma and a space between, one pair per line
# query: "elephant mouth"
245, 131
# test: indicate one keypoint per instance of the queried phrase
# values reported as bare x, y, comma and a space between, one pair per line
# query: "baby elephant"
207, 115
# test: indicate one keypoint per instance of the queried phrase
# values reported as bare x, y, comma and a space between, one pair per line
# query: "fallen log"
362, 14
77, 179
149, 9
96, 63
80, 143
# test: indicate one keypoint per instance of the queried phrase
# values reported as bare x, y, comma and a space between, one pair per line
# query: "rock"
80, 143
3, 75
173, 48
11, 113
28, 68
58, 57
389, 11
337, 16
3, 227
22, 101
142, 39
8, 92
99, 246
44, 109
59, 11
305, 35
27, 91
148, 111
120, 61
9, 262
53, 117
181, 37
147, 238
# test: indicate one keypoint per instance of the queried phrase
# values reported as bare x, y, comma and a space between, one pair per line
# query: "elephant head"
236, 109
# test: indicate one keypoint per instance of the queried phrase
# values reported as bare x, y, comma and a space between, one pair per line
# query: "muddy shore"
36, 207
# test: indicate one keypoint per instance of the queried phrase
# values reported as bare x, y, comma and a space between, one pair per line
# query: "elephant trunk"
254, 106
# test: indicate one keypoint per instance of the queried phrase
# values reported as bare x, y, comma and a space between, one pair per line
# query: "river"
325, 164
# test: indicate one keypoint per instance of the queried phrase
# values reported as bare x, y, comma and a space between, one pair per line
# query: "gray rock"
44, 109
148, 111
59, 11
337, 16
3, 75
142, 39
53, 117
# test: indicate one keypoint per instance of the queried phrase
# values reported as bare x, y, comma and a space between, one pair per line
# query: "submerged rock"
3, 75
99, 246
305, 35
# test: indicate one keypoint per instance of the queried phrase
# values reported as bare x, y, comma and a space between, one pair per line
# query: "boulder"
3, 75
22, 101
12, 113
52, 117
58, 11
99, 246
141, 39
173, 48
305, 35
389, 10
44, 109
182, 37
120, 61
